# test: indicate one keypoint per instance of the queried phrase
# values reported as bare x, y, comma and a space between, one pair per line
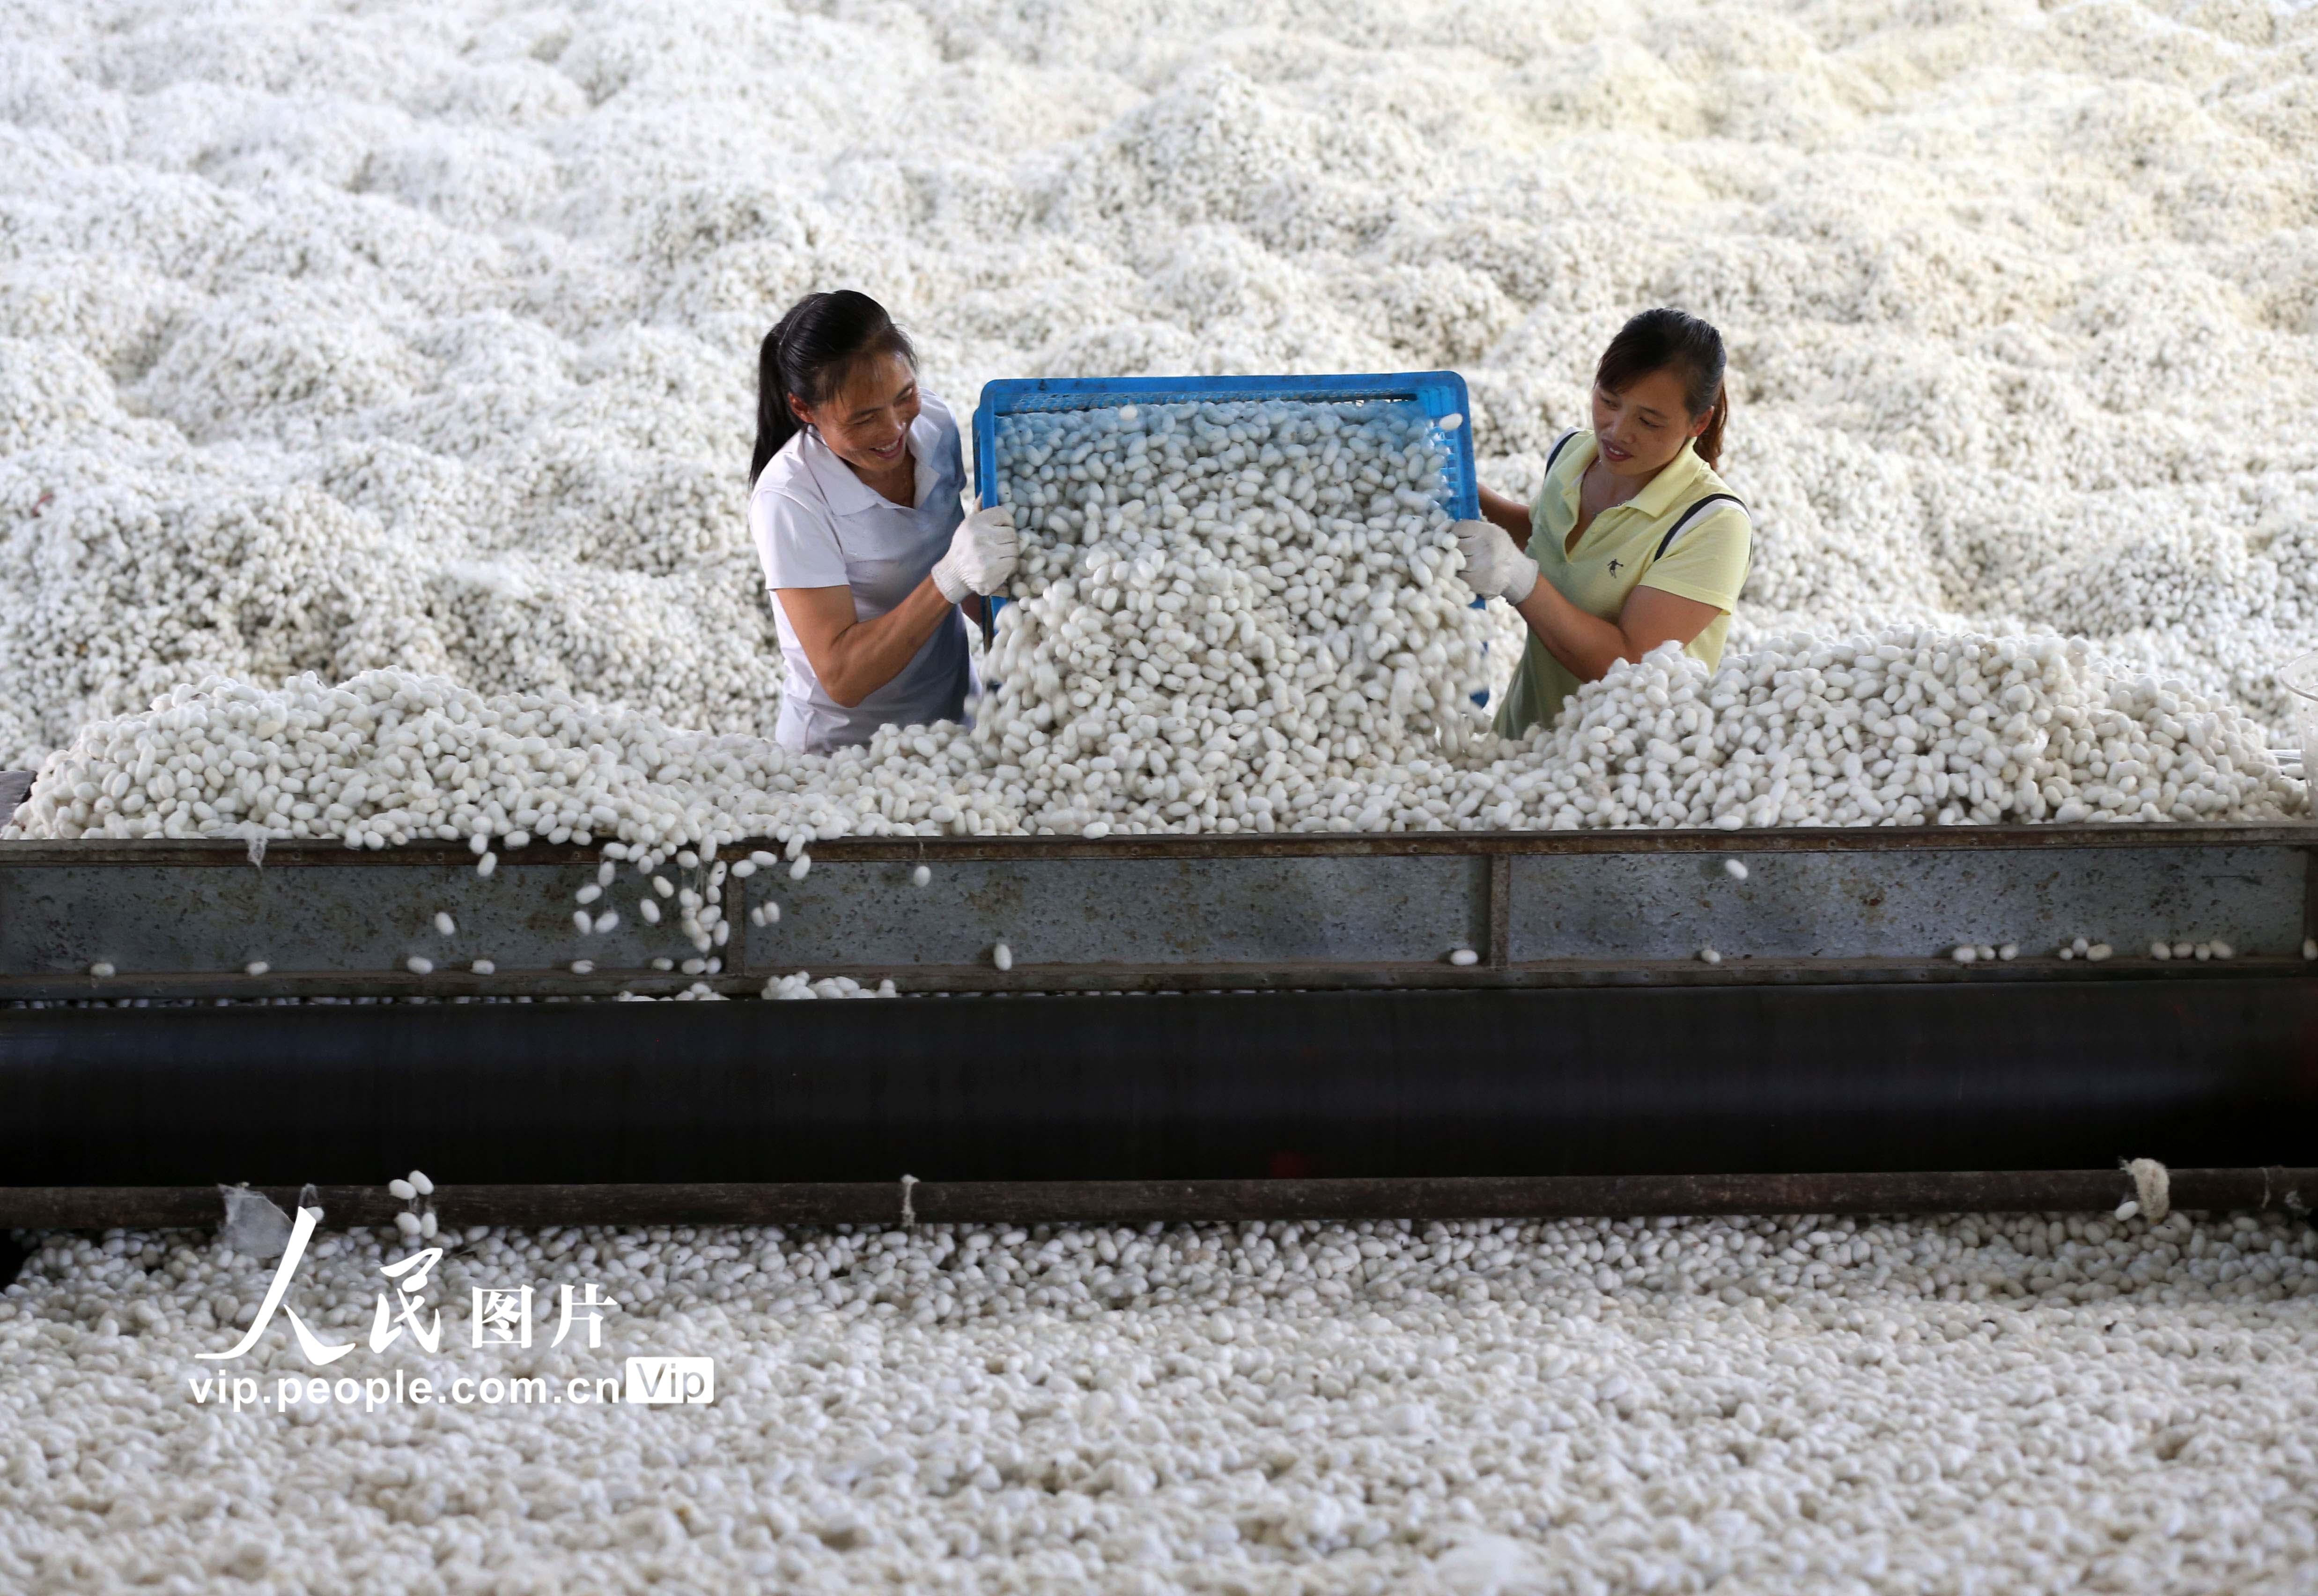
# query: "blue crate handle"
1439, 393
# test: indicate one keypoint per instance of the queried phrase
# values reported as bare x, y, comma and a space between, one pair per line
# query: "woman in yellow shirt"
1638, 543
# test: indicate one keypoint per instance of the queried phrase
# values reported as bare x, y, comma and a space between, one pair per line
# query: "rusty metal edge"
882, 1203
1061, 980
228, 852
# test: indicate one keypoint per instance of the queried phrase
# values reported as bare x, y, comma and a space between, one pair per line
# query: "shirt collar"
848, 494
1680, 474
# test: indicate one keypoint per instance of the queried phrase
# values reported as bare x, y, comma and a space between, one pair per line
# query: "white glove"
981, 555
1494, 567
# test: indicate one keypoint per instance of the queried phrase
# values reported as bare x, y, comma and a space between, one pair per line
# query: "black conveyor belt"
2011, 1076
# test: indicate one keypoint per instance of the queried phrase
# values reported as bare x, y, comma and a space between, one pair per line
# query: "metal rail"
1142, 1202
2203, 1073
1309, 910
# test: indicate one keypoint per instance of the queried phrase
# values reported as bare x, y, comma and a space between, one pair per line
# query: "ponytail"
1709, 443
1670, 340
809, 354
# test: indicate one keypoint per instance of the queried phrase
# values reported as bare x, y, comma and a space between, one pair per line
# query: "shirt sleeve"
796, 543
1708, 562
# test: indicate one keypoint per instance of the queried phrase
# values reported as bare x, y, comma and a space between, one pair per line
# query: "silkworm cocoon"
583, 967
763, 860
581, 922
2068, 953
587, 895
445, 925
2222, 950
479, 844
1987, 954
518, 838
1707, 956
256, 967
663, 963
2128, 1209
1451, 421
2161, 950
2081, 945
715, 965
606, 873
484, 967
720, 934
421, 1183
2099, 951
486, 864
101, 968
649, 910
1734, 869
1461, 956
2310, 948
757, 915
688, 859
663, 886
693, 966
407, 1224
426, 1226
607, 922
401, 1189
2182, 950
798, 870
1964, 952
2008, 952
772, 912
2201, 952
744, 868
1002, 956
417, 965
922, 874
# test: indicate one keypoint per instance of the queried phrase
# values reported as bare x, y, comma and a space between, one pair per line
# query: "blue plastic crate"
1440, 393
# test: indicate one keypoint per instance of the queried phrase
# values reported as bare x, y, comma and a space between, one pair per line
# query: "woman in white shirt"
855, 508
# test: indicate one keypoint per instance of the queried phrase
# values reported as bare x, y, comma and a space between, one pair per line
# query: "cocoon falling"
649, 910
445, 925
401, 1188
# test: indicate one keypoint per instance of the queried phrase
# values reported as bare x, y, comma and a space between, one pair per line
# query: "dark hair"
809, 354
1670, 340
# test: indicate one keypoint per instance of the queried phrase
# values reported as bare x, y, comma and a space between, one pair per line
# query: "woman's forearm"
1508, 513
856, 658
1586, 645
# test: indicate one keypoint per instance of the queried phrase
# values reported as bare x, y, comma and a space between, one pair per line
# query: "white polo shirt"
816, 524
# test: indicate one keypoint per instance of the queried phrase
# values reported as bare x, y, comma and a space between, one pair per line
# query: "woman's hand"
1494, 567
982, 555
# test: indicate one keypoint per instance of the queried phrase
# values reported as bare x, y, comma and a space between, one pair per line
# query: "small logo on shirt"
1613, 567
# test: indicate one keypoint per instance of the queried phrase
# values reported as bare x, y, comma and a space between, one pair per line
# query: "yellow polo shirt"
1676, 535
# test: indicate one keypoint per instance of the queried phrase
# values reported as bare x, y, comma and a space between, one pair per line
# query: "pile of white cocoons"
2001, 1403
1909, 728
